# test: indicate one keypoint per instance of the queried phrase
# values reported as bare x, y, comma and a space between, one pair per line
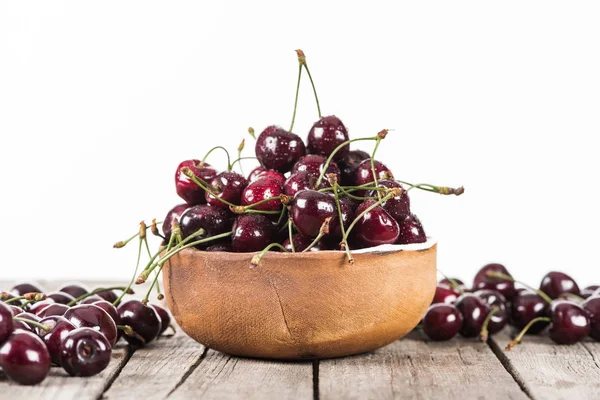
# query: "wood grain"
413, 368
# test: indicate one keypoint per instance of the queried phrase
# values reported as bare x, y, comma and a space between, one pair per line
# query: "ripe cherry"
570, 322
110, 310
213, 220
60, 297
474, 311
6, 322
91, 316
446, 282
411, 231
499, 318
376, 227
186, 188
364, 174
143, 319
483, 281
310, 209
74, 289
251, 232
24, 358
53, 309
263, 189
556, 283
348, 165
278, 149
85, 352
445, 294
91, 299
260, 172
326, 135
174, 214
24, 325
589, 291
592, 307
442, 322
398, 207
21, 289
525, 307
313, 164
59, 329
228, 186
38, 307
165, 318
107, 295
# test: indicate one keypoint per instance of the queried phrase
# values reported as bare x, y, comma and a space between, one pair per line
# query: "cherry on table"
91, 316
348, 164
6, 322
446, 282
483, 281
556, 283
589, 291
21, 289
445, 294
326, 135
60, 297
570, 322
227, 186
91, 299
493, 299
143, 319
54, 309
442, 321
525, 307
15, 310
376, 227
411, 231
278, 149
85, 352
24, 358
262, 189
186, 188
165, 318
24, 325
59, 329
74, 289
474, 311
173, 214
213, 220
592, 307
37, 308
251, 232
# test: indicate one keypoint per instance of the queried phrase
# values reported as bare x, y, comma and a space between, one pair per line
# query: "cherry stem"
137, 265
519, 337
339, 209
444, 190
376, 184
34, 323
182, 247
31, 296
258, 257
241, 159
123, 243
251, 132
157, 272
27, 303
324, 230
347, 189
302, 61
213, 149
483, 335
297, 91
572, 296
359, 198
291, 233
392, 193
333, 153
128, 330
500, 275
453, 282
198, 181
96, 291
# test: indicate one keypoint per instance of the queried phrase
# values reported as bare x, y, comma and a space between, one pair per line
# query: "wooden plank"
550, 371
220, 376
415, 368
154, 371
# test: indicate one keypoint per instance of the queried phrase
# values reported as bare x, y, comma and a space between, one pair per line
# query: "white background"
99, 102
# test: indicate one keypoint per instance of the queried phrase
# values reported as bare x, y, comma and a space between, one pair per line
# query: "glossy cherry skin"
448, 284
570, 322
26, 287
589, 291
91, 299
364, 174
326, 135
110, 310
91, 316
38, 307
251, 232
504, 286
24, 325
165, 318
174, 214
56, 309
143, 319
60, 297
411, 231
6, 322
527, 306
14, 309
398, 207
213, 220
278, 149
85, 352
220, 247
445, 294
442, 322
376, 227
74, 289
500, 318
260, 172
186, 188
314, 164
310, 209
474, 311
263, 189
228, 186
592, 307
108, 295
302, 242
556, 283
348, 165
59, 329
24, 358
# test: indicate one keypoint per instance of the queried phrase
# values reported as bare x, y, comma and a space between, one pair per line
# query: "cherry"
60, 297
398, 207
589, 291
24, 325
186, 188
326, 135
165, 318
348, 165
228, 186
444, 294
59, 329
313, 164
263, 189
483, 281
74, 289
15, 310
278, 149
24, 358
299, 181
527, 306
260, 172
143, 319
474, 311
57, 309
91, 316
310, 209
446, 282
6, 322
38, 307
251, 232
301, 242
442, 322
376, 227
85, 352
255, 173
570, 322
556, 283
220, 247
108, 295
213, 220
493, 298
110, 310
411, 231
174, 214
592, 307
26, 287
364, 174
91, 299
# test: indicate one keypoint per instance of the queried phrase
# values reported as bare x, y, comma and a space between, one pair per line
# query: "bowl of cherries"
313, 254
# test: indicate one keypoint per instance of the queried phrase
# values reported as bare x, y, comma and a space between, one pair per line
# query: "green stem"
339, 209
453, 282
137, 265
240, 159
373, 166
572, 296
263, 201
291, 233
296, 101
312, 83
444, 190
213, 149
256, 259
34, 323
93, 292
190, 174
483, 335
359, 198
123, 243
519, 337
330, 158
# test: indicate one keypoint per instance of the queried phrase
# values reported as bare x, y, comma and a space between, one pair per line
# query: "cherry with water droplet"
278, 149
174, 214
213, 220
411, 231
262, 189
376, 227
251, 232
186, 188
364, 174
228, 186
399, 206
326, 135
348, 165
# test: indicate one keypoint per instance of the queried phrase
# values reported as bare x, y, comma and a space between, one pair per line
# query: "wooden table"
412, 368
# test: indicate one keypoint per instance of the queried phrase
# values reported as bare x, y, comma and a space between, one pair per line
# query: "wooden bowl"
301, 305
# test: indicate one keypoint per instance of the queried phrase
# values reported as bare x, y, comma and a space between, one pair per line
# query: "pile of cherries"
74, 328
494, 302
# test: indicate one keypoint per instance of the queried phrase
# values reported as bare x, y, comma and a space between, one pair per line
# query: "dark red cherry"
260, 172
6, 322
91, 299
91, 316
186, 188
589, 291
213, 220
110, 310
297, 182
21, 289
220, 247
228, 186
556, 283
255, 173
313, 164
15, 310
74, 289
301, 242
24, 358
447, 283
143, 319
592, 307
59, 329
174, 214
60, 297
263, 189
107, 295
445, 294
527, 306
483, 281
251, 232
56, 309
474, 311
326, 135
310, 209
364, 174
278, 149
24, 325
38, 307
442, 322
348, 165
570, 322
398, 207
85, 352
500, 318
411, 231
376, 227
165, 318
